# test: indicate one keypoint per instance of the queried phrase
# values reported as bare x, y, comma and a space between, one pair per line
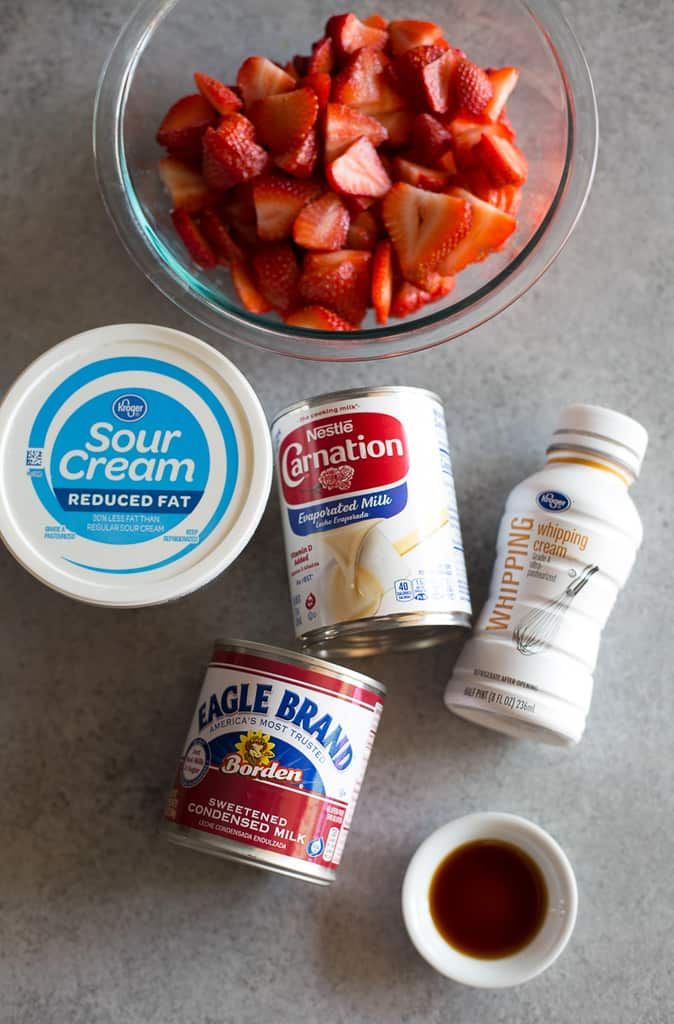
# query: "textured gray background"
101, 921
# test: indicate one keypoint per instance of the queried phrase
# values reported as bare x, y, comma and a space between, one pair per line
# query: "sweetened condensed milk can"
370, 520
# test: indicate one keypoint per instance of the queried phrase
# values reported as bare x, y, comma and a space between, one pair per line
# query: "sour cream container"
135, 465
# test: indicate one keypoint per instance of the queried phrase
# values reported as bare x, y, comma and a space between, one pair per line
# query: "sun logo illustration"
255, 748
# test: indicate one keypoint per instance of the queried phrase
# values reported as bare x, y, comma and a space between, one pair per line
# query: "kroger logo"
129, 408
553, 501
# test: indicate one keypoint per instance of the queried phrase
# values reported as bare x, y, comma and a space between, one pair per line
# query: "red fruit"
221, 97
278, 275
364, 231
291, 69
284, 121
344, 125
349, 34
408, 299
447, 163
358, 204
376, 21
504, 162
382, 281
359, 171
467, 133
430, 139
364, 83
322, 60
489, 229
259, 78
438, 78
424, 226
321, 83
300, 66
503, 81
338, 280
318, 318
408, 68
219, 237
323, 224
472, 88
407, 34
278, 201
186, 186
247, 290
184, 124
300, 161
398, 124
442, 286
193, 240
422, 177
231, 154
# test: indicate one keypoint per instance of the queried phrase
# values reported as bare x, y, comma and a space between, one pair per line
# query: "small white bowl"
554, 933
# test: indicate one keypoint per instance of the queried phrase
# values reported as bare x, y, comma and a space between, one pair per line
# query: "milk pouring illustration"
566, 546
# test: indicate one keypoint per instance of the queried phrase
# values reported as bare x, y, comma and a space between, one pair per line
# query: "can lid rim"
363, 392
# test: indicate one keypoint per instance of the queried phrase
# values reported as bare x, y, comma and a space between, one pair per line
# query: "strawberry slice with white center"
359, 171
364, 83
438, 79
503, 81
382, 281
193, 239
318, 318
184, 125
187, 187
219, 237
407, 34
423, 177
424, 226
344, 125
472, 88
230, 153
284, 121
220, 96
489, 230
338, 280
278, 275
278, 201
302, 159
503, 161
259, 78
322, 60
322, 224
349, 34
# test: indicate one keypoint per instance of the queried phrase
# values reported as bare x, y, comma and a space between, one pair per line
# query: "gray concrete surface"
100, 921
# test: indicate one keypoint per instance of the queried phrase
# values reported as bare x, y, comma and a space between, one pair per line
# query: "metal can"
274, 760
370, 520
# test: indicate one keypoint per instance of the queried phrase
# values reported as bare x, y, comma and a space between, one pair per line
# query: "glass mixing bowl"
553, 110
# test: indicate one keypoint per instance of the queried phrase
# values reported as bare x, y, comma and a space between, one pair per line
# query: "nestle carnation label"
369, 509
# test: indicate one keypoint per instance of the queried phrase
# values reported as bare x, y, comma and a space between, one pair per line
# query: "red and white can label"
275, 756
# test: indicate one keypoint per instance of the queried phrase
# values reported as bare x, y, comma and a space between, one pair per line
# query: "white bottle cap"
604, 432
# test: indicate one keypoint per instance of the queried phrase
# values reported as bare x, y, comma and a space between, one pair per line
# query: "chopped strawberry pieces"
278, 275
398, 125
221, 97
278, 202
382, 281
503, 81
323, 224
302, 159
219, 237
321, 83
349, 34
364, 231
344, 125
318, 318
424, 226
359, 171
186, 186
193, 239
376, 21
184, 124
231, 154
284, 121
408, 71
489, 229
259, 78
430, 139
322, 60
338, 280
472, 88
408, 299
364, 83
247, 290
504, 162
423, 177
438, 78
405, 35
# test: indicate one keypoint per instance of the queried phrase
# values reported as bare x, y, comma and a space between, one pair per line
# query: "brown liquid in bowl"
488, 899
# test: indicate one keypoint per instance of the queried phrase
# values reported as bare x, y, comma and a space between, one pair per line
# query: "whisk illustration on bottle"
540, 626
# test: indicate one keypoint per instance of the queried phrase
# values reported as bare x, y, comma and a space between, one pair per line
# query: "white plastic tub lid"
135, 465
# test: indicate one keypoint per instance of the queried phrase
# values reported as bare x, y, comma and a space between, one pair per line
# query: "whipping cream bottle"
370, 521
566, 546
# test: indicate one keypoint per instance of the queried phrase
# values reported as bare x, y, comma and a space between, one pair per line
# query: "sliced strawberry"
186, 186
323, 224
290, 68
364, 83
408, 299
408, 69
430, 139
338, 280
424, 226
466, 133
438, 81
376, 21
364, 231
503, 81
398, 124
219, 237
349, 34
318, 318
321, 83
472, 88
278, 275
480, 184
221, 97
359, 171
322, 60
284, 121
252, 298
259, 78
382, 281
193, 240
300, 161
278, 201
447, 163
344, 125
407, 34
509, 199
422, 177
489, 229
231, 154
503, 161
441, 286
358, 204
184, 124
